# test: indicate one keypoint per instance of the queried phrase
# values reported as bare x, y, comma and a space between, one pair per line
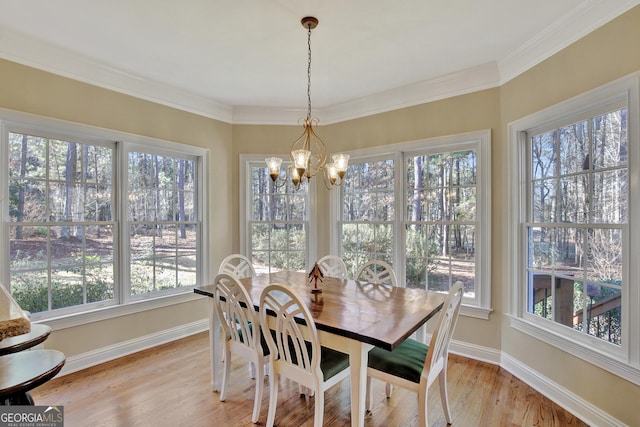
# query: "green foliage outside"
31, 289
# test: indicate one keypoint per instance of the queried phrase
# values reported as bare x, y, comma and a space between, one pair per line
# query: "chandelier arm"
284, 181
327, 181
321, 149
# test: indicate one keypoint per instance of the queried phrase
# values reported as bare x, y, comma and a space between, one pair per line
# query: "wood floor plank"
169, 385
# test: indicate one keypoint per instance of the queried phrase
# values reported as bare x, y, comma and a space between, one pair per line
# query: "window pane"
570, 251
100, 282
604, 313
29, 247
604, 255
27, 200
610, 197
610, 139
463, 204
66, 287
543, 155
464, 168
384, 208
574, 148
544, 200
27, 156
540, 295
259, 236
574, 198
543, 248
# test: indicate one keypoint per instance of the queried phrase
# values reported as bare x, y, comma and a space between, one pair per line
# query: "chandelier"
308, 153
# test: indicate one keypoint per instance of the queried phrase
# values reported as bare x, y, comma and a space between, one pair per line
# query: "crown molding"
466, 81
559, 34
26, 50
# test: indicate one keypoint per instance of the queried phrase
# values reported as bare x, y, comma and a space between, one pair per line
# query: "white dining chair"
377, 271
291, 355
333, 266
237, 265
414, 365
242, 333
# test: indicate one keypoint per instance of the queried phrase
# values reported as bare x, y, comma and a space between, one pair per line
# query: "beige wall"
602, 56
32, 91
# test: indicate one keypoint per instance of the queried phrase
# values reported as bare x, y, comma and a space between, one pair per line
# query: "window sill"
113, 311
475, 311
616, 366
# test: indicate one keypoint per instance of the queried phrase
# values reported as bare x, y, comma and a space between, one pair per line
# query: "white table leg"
214, 346
358, 356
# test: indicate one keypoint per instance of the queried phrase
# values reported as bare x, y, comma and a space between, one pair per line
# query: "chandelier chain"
309, 72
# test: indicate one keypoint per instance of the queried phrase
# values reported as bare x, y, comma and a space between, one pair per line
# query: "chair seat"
406, 361
332, 362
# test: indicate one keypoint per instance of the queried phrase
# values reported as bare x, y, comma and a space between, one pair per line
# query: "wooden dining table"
350, 316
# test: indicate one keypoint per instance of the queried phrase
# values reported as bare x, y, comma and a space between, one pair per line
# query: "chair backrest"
333, 266
287, 342
379, 272
237, 265
236, 313
439, 344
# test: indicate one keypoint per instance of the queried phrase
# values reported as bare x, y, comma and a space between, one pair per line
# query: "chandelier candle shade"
308, 153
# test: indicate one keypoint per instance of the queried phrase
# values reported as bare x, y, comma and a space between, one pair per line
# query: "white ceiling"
245, 61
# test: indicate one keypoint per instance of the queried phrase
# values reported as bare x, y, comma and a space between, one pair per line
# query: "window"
440, 226
69, 248
424, 207
277, 234
575, 221
61, 222
162, 221
368, 212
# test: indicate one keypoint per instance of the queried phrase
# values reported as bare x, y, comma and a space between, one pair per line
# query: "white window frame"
479, 140
621, 360
247, 161
122, 305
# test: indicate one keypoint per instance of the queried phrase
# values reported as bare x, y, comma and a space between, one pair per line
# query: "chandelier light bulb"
273, 163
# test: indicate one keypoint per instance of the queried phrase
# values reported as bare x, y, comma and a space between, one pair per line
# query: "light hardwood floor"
169, 385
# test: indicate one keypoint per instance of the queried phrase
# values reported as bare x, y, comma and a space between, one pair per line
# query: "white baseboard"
476, 352
105, 354
573, 403
568, 400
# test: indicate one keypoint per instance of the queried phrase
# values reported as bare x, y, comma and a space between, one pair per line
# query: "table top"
23, 371
381, 315
17, 343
